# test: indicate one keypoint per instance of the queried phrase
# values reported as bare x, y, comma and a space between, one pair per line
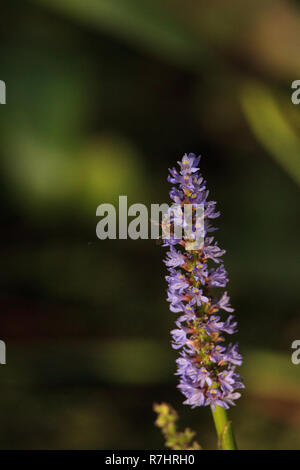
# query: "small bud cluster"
166, 420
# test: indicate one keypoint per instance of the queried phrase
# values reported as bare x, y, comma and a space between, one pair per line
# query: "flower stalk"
226, 439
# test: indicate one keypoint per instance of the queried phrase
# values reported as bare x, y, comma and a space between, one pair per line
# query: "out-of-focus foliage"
149, 23
102, 97
272, 129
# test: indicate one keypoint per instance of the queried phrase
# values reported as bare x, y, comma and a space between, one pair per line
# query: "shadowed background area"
102, 97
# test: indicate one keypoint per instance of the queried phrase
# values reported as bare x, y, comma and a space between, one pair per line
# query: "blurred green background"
102, 97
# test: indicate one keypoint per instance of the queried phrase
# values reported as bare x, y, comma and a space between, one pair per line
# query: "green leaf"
271, 127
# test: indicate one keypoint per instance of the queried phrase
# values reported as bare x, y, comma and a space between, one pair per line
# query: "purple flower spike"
206, 366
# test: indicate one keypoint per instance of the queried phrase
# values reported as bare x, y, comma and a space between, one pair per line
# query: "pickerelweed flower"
206, 366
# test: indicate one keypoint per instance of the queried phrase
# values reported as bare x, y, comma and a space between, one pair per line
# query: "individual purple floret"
206, 366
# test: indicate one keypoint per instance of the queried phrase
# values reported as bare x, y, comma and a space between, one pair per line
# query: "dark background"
102, 97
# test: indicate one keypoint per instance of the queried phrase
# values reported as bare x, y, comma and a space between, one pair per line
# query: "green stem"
224, 429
